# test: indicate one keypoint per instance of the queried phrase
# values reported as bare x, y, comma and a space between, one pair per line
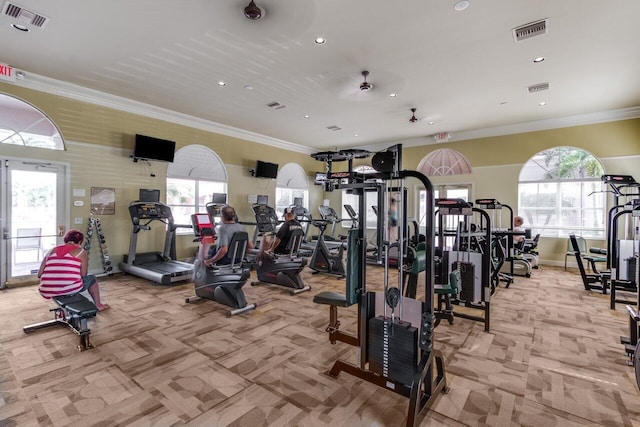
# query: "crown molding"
91, 96
517, 128
83, 94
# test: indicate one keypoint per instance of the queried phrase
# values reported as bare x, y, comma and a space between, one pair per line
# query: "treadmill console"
149, 211
328, 213
266, 218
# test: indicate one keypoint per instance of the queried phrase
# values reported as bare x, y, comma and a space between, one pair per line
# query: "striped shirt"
62, 274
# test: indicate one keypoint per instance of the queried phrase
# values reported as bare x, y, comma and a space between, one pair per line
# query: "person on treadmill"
218, 254
64, 271
279, 244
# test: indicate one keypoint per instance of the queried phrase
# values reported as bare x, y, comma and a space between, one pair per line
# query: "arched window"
291, 184
559, 192
195, 174
23, 124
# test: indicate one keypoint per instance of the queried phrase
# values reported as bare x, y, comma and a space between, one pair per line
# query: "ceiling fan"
365, 86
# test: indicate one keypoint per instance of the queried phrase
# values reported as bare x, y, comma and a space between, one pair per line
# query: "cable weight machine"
394, 333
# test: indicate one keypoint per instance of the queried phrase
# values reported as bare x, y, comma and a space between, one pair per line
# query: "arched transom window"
291, 187
195, 174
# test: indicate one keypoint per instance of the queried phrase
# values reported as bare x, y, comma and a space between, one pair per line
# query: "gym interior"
557, 351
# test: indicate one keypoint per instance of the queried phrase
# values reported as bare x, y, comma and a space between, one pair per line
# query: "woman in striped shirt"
64, 271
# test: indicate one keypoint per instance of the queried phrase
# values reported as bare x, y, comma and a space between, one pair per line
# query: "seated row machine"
394, 333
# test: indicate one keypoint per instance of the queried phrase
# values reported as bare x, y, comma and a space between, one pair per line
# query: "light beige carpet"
552, 358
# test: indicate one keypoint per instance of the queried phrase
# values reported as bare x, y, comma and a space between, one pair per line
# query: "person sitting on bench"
64, 271
218, 254
281, 241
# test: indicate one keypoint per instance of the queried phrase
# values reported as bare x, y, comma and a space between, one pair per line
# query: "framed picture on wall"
103, 201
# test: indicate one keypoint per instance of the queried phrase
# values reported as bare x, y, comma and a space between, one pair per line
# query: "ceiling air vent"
334, 127
532, 29
276, 105
24, 16
538, 87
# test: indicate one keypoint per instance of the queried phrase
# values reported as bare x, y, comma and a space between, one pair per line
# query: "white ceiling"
460, 69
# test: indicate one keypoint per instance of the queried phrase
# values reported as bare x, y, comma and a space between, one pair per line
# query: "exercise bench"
73, 311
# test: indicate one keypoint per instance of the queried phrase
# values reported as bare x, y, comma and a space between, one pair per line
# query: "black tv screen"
321, 177
266, 170
263, 200
146, 195
219, 198
150, 148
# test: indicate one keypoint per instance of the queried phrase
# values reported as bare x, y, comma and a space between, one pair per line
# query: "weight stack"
631, 269
393, 349
467, 279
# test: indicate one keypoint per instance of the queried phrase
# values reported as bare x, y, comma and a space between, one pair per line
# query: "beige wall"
100, 141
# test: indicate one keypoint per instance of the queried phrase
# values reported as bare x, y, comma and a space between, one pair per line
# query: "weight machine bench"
350, 297
73, 311
597, 281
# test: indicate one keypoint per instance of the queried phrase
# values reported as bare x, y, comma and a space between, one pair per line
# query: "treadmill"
157, 267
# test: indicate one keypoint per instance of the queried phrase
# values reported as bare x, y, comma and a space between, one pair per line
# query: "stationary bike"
282, 270
323, 260
222, 283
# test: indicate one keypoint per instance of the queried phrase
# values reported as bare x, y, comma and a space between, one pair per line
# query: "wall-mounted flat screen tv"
150, 148
219, 198
266, 170
321, 177
263, 200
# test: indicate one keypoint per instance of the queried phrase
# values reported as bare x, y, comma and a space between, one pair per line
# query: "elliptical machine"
221, 283
281, 270
323, 260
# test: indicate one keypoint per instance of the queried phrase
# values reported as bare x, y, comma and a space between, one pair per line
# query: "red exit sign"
7, 72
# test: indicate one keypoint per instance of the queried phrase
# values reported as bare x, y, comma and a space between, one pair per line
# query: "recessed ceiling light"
306, 116
20, 27
320, 40
431, 123
542, 104
248, 87
504, 102
221, 83
356, 135
393, 95
539, 59
461, 5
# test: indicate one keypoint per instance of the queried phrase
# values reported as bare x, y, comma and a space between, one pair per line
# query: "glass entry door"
451, 191
32, 216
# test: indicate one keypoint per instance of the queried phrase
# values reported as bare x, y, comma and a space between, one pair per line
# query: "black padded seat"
77, 305
331, 298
